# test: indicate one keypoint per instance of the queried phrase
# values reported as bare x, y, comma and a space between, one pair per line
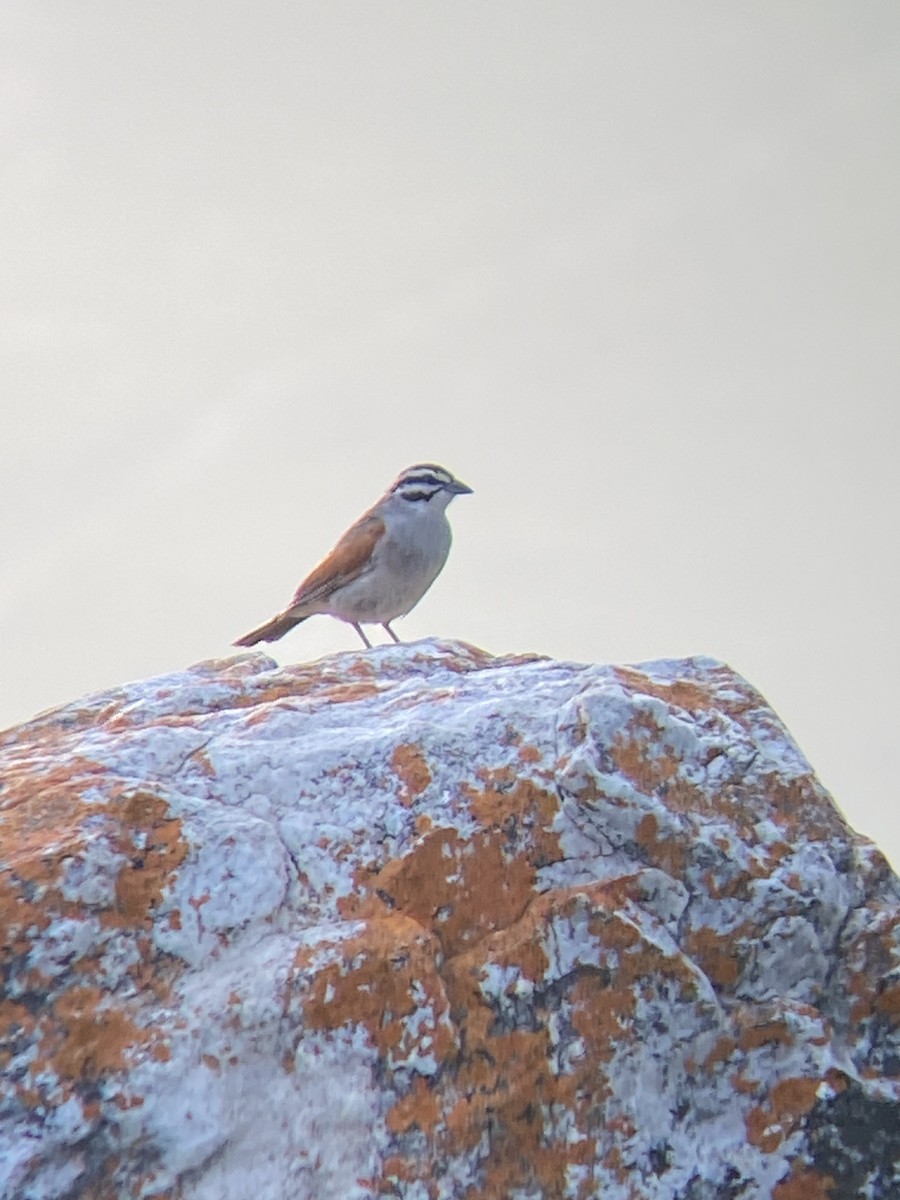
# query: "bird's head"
428, 485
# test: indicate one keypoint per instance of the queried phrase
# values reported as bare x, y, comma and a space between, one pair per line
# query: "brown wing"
350, 558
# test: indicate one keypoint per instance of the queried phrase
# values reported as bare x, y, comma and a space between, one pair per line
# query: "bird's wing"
350, 558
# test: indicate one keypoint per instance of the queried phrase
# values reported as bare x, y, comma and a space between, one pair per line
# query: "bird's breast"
405, 564
417, 548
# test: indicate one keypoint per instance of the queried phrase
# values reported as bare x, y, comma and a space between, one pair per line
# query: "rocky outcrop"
420, 922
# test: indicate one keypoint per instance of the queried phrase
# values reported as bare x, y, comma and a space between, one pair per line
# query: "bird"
385, 562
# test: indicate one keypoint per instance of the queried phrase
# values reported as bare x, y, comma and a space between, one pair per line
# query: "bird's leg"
386, 626
358, 629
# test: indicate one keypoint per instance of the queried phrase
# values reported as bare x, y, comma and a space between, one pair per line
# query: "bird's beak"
458, 488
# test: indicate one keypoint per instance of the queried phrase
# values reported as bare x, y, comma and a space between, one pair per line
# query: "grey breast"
415, 554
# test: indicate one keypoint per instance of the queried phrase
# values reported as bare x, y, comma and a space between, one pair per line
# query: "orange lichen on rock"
285, 696
682, 693
887, 1003
418, 1109
49, 893
378, 979
766, 1031
720, 1053
804, 1184
717, 954
152, 861
525, 811
655, 768
796, 805
410, 767
505, 1077
666, 852
459, 888
789, 1102
83, 1037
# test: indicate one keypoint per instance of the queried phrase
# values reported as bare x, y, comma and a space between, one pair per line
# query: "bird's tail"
272, 630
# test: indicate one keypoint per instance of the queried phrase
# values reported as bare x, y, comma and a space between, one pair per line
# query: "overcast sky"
629, 270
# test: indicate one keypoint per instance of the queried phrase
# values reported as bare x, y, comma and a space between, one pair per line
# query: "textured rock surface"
423, 923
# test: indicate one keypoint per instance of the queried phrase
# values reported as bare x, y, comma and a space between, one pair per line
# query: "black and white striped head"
426, 483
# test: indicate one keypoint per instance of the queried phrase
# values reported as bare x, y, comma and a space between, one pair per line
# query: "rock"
420, 922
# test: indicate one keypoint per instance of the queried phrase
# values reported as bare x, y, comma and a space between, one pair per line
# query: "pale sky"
632, 271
